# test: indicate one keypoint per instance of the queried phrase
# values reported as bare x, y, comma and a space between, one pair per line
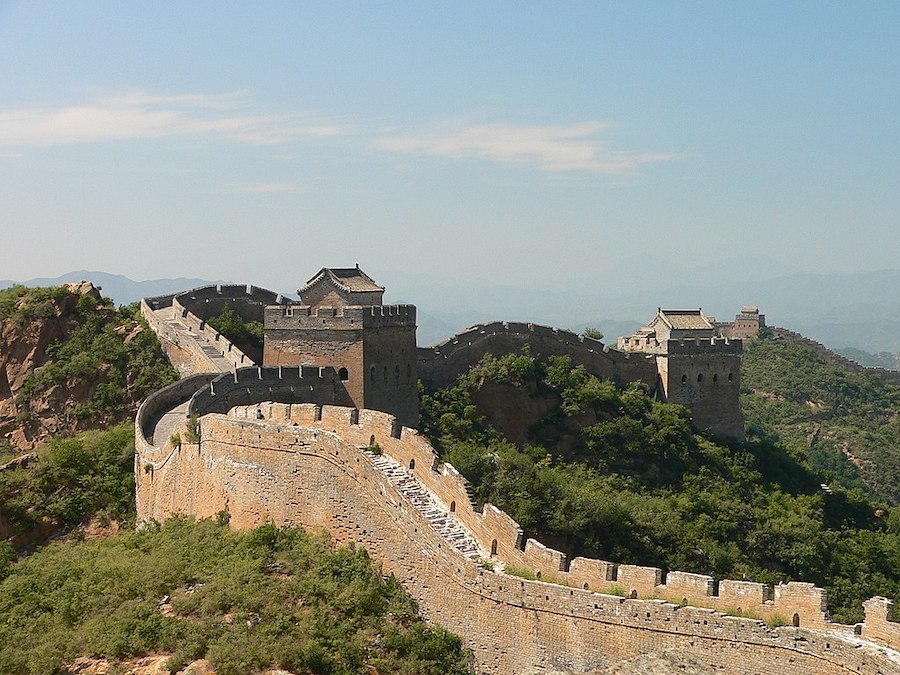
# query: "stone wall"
211, 336
302, 465
439, 366
177, 346
889, 376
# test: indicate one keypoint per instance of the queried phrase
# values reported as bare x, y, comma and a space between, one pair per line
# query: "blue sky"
540, 145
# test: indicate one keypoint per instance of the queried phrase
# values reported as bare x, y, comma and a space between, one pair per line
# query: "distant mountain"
120, 289
860, 310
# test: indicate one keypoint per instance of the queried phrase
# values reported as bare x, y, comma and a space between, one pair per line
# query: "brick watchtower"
697, 368
340, 321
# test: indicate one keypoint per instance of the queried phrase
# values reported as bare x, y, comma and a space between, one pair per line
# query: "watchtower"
340, 322
696, 367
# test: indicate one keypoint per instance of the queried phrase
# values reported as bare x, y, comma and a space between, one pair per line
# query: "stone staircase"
446, 524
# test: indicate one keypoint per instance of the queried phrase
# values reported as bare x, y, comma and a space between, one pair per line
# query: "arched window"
715, 377
796, 620
684, 379
452, 507
343, 375
412, 464
372, 439
730, 377
494, 547
700, 378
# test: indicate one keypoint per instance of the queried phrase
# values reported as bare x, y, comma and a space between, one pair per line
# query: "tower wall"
373, 350
705, 377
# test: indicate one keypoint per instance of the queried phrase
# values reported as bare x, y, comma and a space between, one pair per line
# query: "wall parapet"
353, 317
793, 603
211, 336
889, 376
283, 384
246, 448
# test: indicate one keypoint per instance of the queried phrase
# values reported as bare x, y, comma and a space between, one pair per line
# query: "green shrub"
292, 603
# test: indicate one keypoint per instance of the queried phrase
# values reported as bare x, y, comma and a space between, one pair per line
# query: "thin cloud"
553, 148
139, 115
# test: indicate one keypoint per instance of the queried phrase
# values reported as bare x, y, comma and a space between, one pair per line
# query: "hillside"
605, 472
70, 361
843, 423
183, 592
245, 602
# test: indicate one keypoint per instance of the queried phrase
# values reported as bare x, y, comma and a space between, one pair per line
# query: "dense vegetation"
110, 354
612, 473
242, 333
73, 479
271, 597
845, 425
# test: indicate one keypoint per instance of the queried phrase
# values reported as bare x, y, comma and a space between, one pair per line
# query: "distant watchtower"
696, 367
340, 321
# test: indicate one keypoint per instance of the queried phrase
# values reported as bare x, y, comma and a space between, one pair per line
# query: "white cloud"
139, 115
574, 147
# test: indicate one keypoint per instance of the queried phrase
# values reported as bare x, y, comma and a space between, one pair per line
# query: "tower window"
343, 374
700, 377
372, 373
684, 379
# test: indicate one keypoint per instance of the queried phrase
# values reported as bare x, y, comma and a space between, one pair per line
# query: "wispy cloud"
555, 148
140, 115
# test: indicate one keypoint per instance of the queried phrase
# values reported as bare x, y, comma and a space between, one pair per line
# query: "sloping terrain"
609, 473
844, 424
69, 361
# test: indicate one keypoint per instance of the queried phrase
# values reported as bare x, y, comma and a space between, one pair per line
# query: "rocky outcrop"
33, 410
24, 349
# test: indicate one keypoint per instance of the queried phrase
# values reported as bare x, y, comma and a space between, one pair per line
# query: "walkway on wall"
167, 424
195, 343
446, 524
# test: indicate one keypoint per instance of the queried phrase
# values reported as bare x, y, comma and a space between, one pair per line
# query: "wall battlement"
302, 464
303, 384
716, 345
346, 317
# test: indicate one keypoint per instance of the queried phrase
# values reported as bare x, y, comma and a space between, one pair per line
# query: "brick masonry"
302, 464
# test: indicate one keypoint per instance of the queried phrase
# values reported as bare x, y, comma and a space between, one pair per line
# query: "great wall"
270, 450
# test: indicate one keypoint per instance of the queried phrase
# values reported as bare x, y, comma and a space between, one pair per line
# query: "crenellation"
286, 454
637, 581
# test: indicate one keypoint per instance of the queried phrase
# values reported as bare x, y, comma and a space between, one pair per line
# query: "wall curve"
303, 465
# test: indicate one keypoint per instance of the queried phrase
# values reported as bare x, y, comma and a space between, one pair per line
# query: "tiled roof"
347, 278
686, 319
